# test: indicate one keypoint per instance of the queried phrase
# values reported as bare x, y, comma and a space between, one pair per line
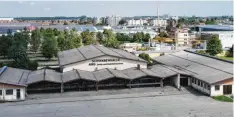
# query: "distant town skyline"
108, 8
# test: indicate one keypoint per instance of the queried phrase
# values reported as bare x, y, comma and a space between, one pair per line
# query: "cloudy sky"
122, 8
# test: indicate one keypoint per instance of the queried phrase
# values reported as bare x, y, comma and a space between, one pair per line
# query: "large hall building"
97, 67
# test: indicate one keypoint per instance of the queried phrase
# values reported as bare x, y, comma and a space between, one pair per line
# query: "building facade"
139, 22
160, 22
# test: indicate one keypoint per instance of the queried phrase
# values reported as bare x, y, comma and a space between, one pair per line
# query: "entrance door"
184, 82
227, 89
18, 93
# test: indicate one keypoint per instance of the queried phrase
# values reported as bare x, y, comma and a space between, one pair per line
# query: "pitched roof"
92, 51
36, 76
70, 76
14, 76
103, 74
199, 66
134, 73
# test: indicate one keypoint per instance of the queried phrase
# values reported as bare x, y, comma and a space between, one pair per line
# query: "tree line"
49, 41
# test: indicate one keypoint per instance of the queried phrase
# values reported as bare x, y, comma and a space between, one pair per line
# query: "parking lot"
141, 104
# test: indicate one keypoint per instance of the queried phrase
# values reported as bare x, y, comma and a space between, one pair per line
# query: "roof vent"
3, 69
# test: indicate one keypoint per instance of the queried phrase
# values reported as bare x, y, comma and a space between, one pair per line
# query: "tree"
17, 52
122, 22
145, 57
138, 37
22, 38
65, 23
110, 39
163, 34
88, 37
214, 46
99, 36
230, 51
35, 40
49, 47
5, 44
146, 37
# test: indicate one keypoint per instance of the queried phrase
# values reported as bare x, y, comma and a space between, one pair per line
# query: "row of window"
200, 83
8, 92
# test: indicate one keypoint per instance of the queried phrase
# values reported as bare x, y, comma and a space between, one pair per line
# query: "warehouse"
94, 57
88, 70
209, 75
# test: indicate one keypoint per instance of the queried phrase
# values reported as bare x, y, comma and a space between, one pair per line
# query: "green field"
223, 98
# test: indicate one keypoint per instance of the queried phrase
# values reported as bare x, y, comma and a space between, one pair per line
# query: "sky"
108, 8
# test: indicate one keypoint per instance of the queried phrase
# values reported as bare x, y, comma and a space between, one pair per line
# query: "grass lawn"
223, 98
226, 58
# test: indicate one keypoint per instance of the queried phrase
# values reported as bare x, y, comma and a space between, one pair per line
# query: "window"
208, 87
198, 82
201, 84
216, 87
192, 80
9, 92
0, 92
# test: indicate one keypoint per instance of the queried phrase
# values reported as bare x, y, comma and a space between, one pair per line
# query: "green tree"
99, 36
145, 57
22, 38
230, 51
49, 47
17, 52
146, 37
163, 34
5, 44
110, 40
35, 40
87, 37
214, 46
138, 37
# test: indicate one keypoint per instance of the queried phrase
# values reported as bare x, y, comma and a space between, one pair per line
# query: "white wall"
84, 65
14, 96
216, 92
220, 91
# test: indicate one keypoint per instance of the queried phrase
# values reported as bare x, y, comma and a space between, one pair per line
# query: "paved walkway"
104, 95
147, 104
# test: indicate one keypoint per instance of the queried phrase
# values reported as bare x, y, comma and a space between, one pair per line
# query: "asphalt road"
187, 105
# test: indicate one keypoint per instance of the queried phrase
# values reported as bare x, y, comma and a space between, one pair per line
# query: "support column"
161, 83
130, 84
189, 81
62, 88
96, 86
178, 81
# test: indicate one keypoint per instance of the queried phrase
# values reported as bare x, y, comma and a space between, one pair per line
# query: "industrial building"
95, 67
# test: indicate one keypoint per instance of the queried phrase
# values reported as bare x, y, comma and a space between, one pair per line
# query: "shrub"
201, 51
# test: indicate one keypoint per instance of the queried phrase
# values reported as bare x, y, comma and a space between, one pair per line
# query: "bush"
32, 65
223, 98
201, 51
145, 57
